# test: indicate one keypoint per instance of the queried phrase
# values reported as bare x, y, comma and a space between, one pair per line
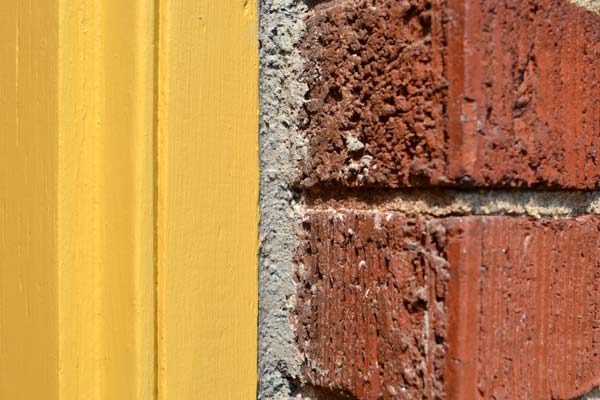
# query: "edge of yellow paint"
208, 199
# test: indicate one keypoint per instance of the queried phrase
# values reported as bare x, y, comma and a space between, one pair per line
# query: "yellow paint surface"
28, 199
128, 199
76, 200
105, 199
208, 199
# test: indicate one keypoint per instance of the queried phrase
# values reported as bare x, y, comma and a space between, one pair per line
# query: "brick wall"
418, 112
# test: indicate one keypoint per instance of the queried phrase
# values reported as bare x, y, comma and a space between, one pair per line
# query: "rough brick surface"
525, 310
372, 318
457, 308
523, 108
452, 92
376, 104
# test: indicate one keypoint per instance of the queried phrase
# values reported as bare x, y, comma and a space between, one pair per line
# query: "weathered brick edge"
472, 93
372, 318
392, 306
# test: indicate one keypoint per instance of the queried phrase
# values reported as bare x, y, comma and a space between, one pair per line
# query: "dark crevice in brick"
319, 392
374, 194
315, 3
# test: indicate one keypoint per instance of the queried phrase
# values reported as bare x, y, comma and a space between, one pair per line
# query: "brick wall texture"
438, 94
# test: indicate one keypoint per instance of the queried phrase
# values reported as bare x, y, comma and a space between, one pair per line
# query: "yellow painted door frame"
128, 199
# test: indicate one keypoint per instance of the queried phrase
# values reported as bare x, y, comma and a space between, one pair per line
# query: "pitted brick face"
460, 92
375, 113
460, 308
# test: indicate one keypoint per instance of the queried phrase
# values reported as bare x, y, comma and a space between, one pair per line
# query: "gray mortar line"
282, 147
448, 202
592, 5
594, 395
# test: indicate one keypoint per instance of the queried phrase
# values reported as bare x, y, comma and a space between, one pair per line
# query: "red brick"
371, 304
453, 92
464, 308
375, 73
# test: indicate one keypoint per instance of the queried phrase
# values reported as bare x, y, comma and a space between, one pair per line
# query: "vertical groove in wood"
123, 163
157, 209
105, 199
159, 165
76, 204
